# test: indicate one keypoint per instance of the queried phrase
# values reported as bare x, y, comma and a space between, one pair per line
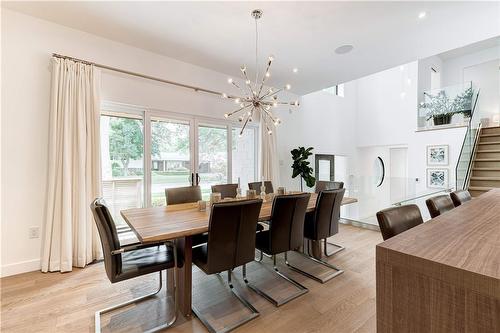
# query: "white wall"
27, 45
325, 122
378, 113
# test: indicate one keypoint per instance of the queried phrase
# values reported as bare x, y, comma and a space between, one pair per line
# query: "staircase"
486, 163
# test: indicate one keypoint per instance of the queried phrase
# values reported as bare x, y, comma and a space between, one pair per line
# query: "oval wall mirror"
378, 171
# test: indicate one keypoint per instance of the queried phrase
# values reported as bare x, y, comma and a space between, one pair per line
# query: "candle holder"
238, 193
263, 192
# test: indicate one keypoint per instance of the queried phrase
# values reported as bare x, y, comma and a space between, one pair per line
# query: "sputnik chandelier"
255, 98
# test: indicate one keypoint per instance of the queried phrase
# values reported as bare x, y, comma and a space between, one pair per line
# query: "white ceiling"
220, 35
471, 48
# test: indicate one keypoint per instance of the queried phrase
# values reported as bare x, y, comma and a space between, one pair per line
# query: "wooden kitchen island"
443, 275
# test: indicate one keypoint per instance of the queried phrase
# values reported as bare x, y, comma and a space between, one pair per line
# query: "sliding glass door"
171, 164
122, 162
145, 152
212, 156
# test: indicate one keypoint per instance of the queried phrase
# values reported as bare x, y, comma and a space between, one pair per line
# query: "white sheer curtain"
269, 168
71, 237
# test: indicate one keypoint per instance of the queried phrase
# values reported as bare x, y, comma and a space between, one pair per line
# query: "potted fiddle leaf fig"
300, 166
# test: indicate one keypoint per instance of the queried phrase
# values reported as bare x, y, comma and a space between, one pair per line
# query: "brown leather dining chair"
256, 186
127, 262
322, 185
321, 224
226, 190
285, 233
395, 220
459, 197
180, 195
231, 243
439, 205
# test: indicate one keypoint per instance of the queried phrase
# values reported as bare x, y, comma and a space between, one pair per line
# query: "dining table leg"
184, 275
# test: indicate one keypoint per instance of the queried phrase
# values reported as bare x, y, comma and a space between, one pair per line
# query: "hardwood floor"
54, 302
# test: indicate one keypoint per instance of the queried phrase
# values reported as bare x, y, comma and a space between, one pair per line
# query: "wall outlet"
34, 232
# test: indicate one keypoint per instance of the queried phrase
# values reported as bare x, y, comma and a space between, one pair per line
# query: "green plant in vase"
300, 166
440, 108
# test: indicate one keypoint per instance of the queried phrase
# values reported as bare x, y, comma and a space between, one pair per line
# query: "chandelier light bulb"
267, 107
249, 113
271, 90
242, 105
269, 132
271, 58
230, 80
277, 122
224, 95
295, 70
275, 104
226, 115
240, 135
237, 100
288, 87
296, 103
243, 68
247, 81
268, 74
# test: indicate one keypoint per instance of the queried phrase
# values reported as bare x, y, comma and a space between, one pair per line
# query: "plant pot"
442, 119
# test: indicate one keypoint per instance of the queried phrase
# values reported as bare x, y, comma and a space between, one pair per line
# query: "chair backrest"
286, 228
226, 190
180, 195
395, 220
231, 234
322, 185
256, 186
439, 204
327, 213
459, 197
109, 237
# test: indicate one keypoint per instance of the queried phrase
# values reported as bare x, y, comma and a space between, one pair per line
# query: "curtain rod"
138, 75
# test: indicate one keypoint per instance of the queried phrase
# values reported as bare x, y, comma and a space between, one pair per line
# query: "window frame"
116, 109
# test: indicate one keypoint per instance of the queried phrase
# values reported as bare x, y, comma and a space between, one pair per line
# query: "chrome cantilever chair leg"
243, 301
302, 289
337, 270
339, 248
139, 299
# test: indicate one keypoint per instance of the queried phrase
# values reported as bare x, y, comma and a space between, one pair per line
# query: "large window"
177, 148
212, 157
122, 152
170, 157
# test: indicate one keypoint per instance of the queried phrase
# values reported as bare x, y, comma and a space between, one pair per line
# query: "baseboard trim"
359, 224
20, 267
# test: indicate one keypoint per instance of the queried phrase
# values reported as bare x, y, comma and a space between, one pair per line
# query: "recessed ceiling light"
295, 70
344, 49
422, 15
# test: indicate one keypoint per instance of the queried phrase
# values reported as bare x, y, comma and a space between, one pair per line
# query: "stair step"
484, 178
490, 130
489, 135
485, 154
486, 169
490, 143
480, 188
489, 138
487, 159
493, 145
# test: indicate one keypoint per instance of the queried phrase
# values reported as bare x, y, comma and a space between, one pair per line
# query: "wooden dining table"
181, 222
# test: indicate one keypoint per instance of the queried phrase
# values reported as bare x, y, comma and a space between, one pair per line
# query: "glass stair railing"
465, 159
